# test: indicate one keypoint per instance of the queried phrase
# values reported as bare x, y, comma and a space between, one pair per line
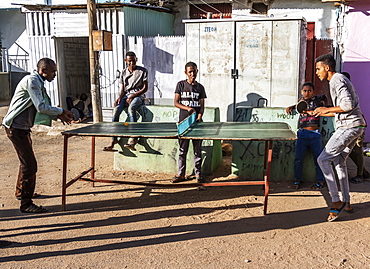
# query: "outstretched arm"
327, 111
66, 116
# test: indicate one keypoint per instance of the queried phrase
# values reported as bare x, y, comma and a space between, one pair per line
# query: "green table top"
258, 131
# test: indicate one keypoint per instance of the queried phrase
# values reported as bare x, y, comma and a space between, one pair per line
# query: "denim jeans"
307, 140
184, 147
131, 112
336, 152
131, 109
119, 109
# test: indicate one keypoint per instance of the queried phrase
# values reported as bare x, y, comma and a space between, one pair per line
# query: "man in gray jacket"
350, 125
29, 98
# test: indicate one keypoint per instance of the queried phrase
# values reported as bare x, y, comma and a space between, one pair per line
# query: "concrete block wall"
247, 159
161, 155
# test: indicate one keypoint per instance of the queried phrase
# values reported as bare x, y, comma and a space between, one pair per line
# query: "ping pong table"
242, 131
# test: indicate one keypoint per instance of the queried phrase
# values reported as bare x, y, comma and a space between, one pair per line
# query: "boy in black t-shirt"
189, 98
308, 135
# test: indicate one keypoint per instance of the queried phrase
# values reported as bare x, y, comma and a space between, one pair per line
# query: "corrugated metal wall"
141, 22
75, 22
126, 20
71, 23
41, 45
164, 57
63, 24
111, 63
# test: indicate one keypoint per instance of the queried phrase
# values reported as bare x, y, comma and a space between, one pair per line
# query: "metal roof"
249, 18
98, 5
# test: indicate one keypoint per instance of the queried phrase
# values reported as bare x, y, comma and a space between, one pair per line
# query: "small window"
259, 8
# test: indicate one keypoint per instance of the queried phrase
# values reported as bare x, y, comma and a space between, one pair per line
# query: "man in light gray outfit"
350, 125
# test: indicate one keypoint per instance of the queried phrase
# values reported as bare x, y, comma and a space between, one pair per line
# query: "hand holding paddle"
289, 109
301, 106
184, 125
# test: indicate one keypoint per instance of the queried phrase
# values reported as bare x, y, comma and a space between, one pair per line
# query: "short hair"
44, 63
192, 64
327, 59
83, 96
130, 54
310, 84
347, 75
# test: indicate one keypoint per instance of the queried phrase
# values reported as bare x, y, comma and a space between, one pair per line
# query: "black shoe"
177, 179
34, 209
356, 179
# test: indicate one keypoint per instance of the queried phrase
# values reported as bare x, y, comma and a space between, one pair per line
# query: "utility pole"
94, 63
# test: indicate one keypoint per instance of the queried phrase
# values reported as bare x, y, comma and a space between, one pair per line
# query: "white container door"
285, 72
211, 46
253, 61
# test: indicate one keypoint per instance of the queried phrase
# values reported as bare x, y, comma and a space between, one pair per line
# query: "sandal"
349, 210
35, 195
296, 185
200, 179
335, 212
130, 147
177, 179
34, 209
318, 185
110, 148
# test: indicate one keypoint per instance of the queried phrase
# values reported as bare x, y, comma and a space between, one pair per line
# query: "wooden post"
94, 73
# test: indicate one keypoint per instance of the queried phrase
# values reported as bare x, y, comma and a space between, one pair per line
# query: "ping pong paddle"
186, 123
301, 106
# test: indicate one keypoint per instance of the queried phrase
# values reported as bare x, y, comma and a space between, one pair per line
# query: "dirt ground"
120, 226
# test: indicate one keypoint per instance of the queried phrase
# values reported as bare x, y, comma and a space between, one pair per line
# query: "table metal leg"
65, 185
92, 159
64, 177
267, 172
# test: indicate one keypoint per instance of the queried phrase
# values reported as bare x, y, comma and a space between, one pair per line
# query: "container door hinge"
234, 74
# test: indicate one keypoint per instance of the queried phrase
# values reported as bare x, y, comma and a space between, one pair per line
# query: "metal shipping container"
249, 62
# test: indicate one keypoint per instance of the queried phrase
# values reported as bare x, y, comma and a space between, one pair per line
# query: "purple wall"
356, 58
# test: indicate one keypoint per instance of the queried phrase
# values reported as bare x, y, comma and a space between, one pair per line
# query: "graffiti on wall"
248, 156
